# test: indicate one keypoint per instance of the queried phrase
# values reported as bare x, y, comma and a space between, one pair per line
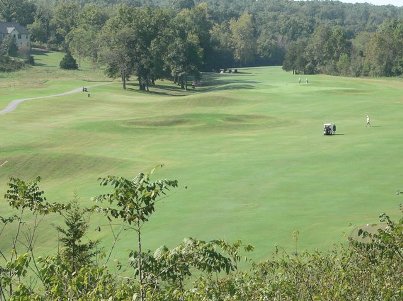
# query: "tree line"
368, 268
179, 38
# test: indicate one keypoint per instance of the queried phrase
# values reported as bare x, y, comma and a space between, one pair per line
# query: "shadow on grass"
230, 86
39, 64
215, 80
37, 51
169, 89
162, 90
97, 81
209, 82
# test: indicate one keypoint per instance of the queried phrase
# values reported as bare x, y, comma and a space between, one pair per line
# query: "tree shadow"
37, 51
162, 91
97, 81
170, 87
159, 89
209, 82
230, 86
216, 80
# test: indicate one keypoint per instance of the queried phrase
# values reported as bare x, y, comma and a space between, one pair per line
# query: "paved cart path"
15, 103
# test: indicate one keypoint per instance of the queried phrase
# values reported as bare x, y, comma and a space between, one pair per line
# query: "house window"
19, 36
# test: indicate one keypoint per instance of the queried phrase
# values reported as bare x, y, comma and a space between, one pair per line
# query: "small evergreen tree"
68, 62
8, 47
75, 253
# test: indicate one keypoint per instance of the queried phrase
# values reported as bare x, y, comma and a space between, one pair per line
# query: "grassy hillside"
249, 147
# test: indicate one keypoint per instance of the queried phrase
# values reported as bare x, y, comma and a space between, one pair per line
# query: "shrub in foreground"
195, 270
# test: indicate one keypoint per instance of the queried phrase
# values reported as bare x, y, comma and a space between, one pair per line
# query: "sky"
376, 2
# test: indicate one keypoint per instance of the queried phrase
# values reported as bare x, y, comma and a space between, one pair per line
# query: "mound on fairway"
200, 120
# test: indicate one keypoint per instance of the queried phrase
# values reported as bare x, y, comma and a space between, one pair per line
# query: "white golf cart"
329, 129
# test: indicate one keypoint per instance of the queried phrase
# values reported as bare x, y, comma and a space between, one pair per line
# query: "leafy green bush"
365, 269
8, 64
8, 47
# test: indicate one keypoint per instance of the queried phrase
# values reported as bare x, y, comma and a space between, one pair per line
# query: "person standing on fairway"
368, 121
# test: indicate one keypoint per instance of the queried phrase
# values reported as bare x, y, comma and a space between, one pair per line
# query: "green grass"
249, 147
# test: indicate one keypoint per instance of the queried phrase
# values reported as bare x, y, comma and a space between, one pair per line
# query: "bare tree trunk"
2, 296
15, 252
123, 73
140, 263
142, 84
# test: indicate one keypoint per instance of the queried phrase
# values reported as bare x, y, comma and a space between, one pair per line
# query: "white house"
20, 34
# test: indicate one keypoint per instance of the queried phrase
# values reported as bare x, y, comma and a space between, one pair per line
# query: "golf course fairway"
247, 149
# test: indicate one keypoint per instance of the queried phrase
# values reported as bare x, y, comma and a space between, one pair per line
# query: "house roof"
8, 27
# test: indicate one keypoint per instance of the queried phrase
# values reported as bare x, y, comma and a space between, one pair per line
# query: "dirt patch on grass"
56, 165
199, 120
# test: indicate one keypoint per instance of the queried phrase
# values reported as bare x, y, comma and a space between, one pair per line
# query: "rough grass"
249, 147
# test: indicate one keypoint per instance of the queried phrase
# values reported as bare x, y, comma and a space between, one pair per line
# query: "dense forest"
179, 38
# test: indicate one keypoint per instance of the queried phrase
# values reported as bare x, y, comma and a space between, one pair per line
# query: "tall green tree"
133, 201
295, 60
83, 40
244, 39
145, 26
21, 11
93, 16
65, 19
117, 53
221, 43
149, 25
184, 58
183, 55
41, 29
325, 47
268, 50
197, 21
182, 4
384, 54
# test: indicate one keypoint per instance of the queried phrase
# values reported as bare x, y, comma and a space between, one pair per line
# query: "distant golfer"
306, 80
368, 121
299, 80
